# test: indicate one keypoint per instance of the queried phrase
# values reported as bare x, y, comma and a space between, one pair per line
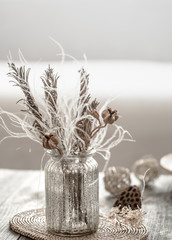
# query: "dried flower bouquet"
68, 126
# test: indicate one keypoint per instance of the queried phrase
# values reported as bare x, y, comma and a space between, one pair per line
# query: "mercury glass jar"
72, 201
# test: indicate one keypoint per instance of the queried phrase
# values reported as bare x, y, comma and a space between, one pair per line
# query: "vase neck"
75, 157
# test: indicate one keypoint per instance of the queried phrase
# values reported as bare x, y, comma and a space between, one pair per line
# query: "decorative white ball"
166, 162
116, 179
142, 165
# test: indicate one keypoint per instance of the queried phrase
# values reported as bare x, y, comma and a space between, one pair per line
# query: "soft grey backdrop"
103, 29
136, 32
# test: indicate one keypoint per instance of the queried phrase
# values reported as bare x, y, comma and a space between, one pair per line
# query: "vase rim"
55, 153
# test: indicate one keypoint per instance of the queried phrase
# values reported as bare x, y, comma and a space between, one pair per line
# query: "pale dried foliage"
126, 216
68, 126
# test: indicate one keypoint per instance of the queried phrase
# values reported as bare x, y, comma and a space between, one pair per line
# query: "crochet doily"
32, 224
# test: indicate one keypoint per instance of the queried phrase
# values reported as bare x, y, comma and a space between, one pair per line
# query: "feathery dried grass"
76, 125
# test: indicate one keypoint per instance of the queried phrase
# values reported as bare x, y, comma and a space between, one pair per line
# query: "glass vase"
72, 200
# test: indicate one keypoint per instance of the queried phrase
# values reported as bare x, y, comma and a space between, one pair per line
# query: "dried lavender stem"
22, 77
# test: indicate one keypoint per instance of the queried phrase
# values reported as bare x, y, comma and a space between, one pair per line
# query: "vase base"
66, 234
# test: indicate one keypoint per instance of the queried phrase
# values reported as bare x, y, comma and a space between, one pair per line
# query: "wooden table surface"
24, 190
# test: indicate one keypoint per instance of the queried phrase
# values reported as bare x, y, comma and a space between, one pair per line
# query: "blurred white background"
128, 44
113, 29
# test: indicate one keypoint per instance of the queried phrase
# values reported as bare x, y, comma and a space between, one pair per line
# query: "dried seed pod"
116, 179
50, 140
109, 116
142, 165
131, 197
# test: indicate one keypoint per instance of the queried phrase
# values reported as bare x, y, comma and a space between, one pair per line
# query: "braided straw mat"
32, 224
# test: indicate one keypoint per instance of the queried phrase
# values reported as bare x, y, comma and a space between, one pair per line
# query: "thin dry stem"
49, 80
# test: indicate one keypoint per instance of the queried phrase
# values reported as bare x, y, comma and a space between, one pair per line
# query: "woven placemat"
32, 224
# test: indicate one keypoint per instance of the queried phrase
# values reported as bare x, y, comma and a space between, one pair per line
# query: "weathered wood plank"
19, 191
158, 205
